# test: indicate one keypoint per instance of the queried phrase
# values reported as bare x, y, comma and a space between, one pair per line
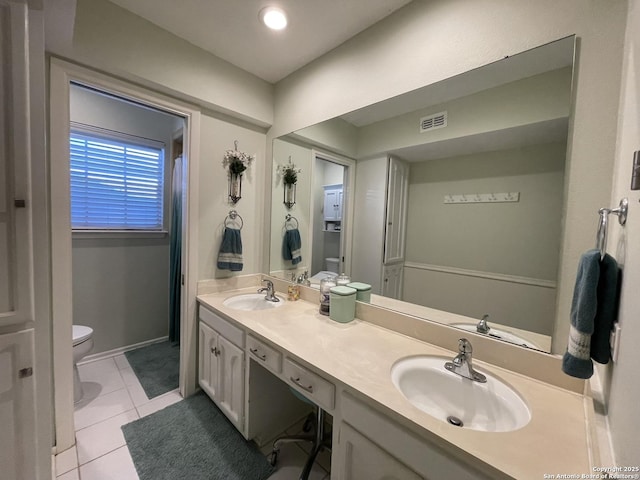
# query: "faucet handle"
482, 326
464, 346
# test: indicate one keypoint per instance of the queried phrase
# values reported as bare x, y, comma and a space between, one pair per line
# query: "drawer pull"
305, 387
215, 351
255, 352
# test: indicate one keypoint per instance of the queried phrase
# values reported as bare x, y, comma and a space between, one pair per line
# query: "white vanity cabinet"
372, 445
221, 372
364, 459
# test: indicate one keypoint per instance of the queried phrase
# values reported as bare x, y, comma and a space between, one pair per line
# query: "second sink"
251, 301
492, 406
499, 334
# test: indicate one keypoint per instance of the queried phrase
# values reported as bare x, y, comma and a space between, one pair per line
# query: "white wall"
623, 244
301, 158
541, 98
236, 106
121, 285
113, 40
515, 238
218, 136
428, 41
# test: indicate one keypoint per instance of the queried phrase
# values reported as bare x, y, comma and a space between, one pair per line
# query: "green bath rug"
192, 439
157, 367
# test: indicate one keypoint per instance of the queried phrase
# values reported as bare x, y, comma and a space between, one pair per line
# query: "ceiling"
231, 29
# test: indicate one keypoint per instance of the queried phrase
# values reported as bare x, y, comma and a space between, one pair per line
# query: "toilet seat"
81, 333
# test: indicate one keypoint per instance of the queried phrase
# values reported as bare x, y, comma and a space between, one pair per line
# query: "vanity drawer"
223, 327
264, 354
310, 384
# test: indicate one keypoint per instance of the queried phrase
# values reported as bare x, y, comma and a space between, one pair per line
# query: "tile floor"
114, 397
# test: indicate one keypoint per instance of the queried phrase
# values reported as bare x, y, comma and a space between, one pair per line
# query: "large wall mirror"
449, 198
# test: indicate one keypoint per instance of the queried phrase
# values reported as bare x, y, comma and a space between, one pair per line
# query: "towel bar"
288, 219
232, 216
601, 237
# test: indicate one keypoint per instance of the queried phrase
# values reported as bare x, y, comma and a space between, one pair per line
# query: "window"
117, 182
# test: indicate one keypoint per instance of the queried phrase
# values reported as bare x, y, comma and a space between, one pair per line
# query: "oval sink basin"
491, 407
252, 301
497, 333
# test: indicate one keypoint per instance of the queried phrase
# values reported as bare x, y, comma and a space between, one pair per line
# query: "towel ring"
601, 237
233, 215
289, 218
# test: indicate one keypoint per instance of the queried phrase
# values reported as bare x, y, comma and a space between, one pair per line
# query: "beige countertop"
360, 355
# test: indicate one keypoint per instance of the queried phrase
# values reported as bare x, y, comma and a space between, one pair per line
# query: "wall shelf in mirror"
482, 197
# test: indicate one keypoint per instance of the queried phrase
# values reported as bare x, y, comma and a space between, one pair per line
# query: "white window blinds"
116, 184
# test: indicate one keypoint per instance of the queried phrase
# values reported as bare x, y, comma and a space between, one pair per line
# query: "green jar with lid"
363, 291
343, 304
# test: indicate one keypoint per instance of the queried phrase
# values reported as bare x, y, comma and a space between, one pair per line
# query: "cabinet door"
231, 386
392, 280
330, 204
395, 227
17, 408
209, 363
364, 459
339, 206
16, 289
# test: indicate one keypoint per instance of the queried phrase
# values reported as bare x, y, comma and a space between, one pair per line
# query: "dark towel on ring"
291, 246
230, 255
593, 312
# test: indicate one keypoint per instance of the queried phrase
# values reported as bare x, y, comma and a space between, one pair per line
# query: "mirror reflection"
445, 199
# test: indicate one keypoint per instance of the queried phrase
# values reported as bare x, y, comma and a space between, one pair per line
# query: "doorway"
332, 213
182, 120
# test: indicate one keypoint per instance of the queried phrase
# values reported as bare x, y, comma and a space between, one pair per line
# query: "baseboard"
119, 351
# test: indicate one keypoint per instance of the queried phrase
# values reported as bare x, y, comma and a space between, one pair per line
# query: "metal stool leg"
317, 445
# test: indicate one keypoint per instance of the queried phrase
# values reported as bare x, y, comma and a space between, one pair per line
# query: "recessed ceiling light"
273, 18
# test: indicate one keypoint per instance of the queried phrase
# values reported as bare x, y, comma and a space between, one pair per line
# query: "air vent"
437, 120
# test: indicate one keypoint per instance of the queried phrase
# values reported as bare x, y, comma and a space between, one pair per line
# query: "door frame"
62, 74
348, 191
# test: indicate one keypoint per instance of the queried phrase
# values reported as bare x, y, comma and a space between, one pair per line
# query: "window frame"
118, 232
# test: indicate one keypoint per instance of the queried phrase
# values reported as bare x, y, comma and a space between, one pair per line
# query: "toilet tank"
332, 264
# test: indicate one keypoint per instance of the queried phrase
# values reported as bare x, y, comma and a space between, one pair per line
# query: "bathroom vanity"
250, 358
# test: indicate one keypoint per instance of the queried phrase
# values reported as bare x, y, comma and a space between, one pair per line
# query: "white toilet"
82, 345
332, 264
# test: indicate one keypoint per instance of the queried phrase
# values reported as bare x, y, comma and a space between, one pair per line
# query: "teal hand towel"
607, 309
292, 246
577, 359
593, 311
230, 254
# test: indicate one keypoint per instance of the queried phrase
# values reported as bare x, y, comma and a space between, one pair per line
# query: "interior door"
395, 226
15, 206
17, 407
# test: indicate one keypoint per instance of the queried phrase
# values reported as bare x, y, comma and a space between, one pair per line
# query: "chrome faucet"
462, 364
303, 278
270, 291
482, 326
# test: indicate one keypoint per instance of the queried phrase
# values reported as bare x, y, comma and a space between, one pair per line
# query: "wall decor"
289, 174
236, 162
